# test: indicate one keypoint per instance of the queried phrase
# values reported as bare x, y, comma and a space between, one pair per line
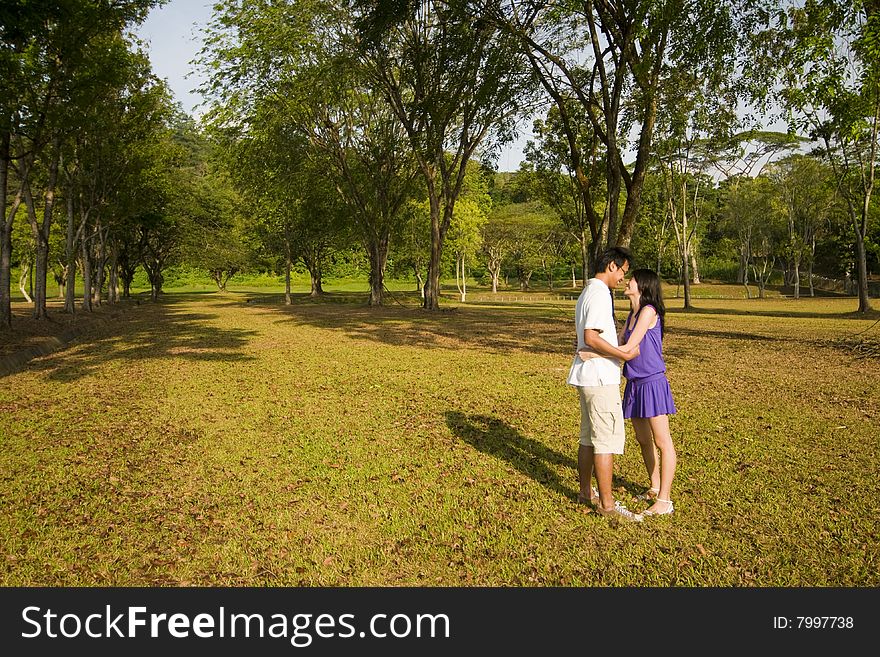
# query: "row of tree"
393, 100
340, 121
79, 120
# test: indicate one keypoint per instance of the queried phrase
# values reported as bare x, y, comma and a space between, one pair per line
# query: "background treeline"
354, 136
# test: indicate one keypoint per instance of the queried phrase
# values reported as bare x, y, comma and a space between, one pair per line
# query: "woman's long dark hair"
651, 293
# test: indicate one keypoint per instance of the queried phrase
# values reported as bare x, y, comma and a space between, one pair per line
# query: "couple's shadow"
529, 456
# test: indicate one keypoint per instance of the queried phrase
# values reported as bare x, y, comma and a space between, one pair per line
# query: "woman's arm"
647, 317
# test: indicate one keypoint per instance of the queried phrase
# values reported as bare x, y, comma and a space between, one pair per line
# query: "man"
598, 384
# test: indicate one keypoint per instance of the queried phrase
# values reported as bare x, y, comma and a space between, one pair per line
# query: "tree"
107, 166
655, 237
291, 66
806, 195
566, 137
697, 115
831, 87
216, 238
171, 199
752, 211
453, 83
520, 232
48, 47
741, 157
612, 57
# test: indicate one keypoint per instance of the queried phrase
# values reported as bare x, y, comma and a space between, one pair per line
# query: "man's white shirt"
595, 310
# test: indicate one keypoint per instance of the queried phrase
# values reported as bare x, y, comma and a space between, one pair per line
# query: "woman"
647, 398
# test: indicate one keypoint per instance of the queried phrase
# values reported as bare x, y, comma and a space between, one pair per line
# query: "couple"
647, 398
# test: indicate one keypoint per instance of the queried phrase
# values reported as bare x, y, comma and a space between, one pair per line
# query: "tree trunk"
796, 278
288, 264
696, 270
70, 255
686, 278
378, 259
682, 236
316, 275
494, 267
6, 222
864, 300
812, 262
23, 279
62, 282
585, 264
42, 261
432, 288
156, 281
100, 264
87, 275
862, 227
420, 282
5, 236
462, 288
113, 284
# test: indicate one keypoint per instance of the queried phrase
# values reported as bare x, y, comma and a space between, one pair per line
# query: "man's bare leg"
604, 465
585, 472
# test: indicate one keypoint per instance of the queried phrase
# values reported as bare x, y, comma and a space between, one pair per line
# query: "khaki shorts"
602, 419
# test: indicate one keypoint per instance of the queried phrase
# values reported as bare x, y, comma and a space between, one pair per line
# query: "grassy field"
224, 439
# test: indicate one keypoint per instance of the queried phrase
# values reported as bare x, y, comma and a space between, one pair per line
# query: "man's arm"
595, 343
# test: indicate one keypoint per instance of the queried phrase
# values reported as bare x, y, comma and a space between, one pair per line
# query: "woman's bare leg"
659, 427
642, 428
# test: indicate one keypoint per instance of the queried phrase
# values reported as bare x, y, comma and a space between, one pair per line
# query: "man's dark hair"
616, 254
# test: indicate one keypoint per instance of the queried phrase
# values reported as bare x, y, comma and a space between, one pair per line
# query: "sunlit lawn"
224, 439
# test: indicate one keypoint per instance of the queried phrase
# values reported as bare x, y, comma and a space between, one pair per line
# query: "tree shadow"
530, 457
154, 330
759, 312
492, 329
727, 335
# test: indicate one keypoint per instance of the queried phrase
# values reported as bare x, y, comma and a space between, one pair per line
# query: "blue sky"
173, 36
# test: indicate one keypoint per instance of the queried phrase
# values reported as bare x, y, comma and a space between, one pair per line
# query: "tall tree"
743, 156
454, 83
47, 47
831, 80
612, 57
806, 199
698, 114
293, 64
568, 169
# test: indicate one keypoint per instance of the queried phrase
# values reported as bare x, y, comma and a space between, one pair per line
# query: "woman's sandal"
670, 509
649, 495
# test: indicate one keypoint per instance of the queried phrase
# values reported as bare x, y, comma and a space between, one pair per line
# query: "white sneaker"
620, 512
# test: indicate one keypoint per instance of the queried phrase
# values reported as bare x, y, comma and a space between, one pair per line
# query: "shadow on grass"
757, 311
155, 330
529, 456
729, 335
493, 329
542, 328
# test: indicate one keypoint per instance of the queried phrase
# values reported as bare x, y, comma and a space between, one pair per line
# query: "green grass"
224, 439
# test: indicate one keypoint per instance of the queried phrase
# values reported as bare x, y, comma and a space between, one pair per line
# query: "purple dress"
647, 392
